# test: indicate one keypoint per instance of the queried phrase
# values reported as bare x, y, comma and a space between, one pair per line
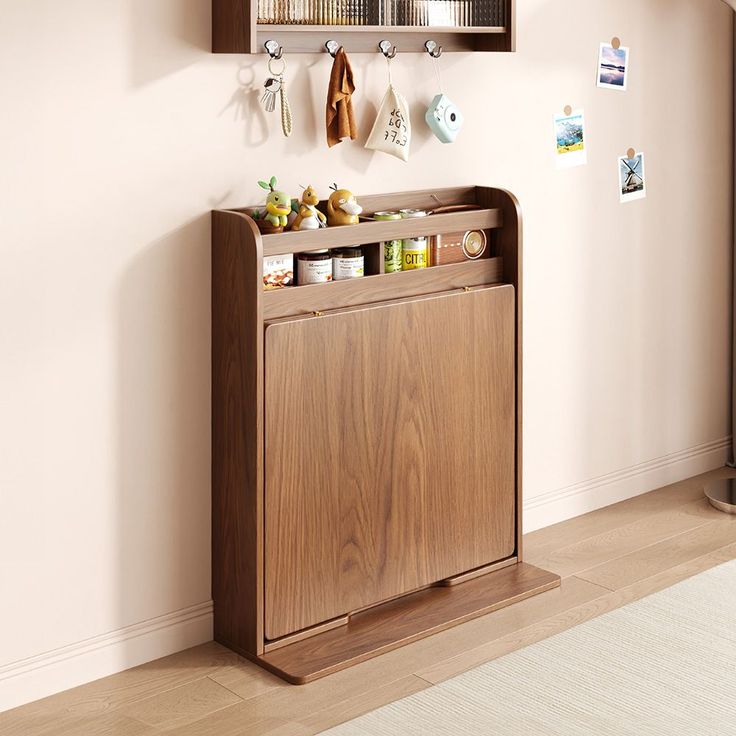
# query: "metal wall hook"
387, 49
273, 49
332, 48
433, 49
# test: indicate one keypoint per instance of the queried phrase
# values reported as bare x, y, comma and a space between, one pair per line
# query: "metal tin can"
391, 248
414, 251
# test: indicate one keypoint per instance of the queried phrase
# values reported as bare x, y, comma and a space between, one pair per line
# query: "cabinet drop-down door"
389, 451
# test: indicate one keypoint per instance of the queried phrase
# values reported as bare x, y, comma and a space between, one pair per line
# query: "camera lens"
453, 117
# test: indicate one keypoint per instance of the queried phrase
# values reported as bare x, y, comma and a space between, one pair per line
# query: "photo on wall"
570, 139
632, 178
613, 67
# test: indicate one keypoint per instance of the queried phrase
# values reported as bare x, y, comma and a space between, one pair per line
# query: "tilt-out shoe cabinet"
366, 439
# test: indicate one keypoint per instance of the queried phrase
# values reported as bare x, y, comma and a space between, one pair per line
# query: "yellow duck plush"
342, 208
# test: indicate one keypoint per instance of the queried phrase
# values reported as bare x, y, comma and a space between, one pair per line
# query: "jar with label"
348, 263
414, 251
314, 267
391, 248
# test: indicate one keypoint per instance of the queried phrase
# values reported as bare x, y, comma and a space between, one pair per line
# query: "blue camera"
444, 118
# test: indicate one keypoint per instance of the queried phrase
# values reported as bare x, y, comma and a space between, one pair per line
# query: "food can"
391, 248
348, 263
278, 271
414, 251
314, 267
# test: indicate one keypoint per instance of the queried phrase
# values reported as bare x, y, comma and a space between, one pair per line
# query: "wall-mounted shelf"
237, 28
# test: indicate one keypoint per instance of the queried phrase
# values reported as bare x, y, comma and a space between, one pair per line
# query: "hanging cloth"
391, 133
340, 117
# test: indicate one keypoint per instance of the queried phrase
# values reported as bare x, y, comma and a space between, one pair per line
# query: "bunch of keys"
273, 86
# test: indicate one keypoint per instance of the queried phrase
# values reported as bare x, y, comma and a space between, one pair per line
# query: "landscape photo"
613, 67
632, 178
570, 139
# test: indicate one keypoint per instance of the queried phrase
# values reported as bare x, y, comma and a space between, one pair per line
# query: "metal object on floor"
722, 494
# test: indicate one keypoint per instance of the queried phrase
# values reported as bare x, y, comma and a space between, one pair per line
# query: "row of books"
430, 13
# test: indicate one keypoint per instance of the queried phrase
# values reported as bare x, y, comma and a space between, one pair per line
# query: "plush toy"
342, 207
308, 216
278, 204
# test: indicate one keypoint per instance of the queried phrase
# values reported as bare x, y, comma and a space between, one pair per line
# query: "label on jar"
413, 254
314, 272
392, 256
347, 268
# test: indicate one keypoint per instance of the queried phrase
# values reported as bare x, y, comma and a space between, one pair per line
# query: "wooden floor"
607, 559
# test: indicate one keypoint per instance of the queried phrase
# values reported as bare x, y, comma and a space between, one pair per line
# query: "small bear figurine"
308, 216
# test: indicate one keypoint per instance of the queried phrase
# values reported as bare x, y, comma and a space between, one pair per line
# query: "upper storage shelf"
243, 26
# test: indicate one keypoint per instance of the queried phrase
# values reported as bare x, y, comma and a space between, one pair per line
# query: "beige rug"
663, 665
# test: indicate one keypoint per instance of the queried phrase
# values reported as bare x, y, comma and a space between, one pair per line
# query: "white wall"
119, 132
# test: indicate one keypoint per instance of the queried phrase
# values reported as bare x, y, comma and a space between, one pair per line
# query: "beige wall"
119, 132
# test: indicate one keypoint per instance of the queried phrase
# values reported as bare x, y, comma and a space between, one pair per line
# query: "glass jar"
314, 267
348, 263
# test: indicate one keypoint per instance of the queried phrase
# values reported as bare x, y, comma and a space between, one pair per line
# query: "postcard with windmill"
570, 139
613, 67
632, 178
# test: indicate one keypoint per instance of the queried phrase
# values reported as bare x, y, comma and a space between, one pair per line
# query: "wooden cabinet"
367, 453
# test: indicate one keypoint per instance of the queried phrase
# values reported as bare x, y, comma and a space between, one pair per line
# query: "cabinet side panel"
508, 243
237, 446
233, 26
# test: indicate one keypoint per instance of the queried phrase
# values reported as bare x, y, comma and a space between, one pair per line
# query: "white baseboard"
51, 672
580, 498
60, 669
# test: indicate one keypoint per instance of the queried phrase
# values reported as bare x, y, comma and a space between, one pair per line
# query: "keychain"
275, 85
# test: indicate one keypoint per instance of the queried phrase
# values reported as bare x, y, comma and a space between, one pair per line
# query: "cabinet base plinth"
404, 620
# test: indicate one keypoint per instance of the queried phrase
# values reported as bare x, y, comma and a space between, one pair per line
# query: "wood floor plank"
356, 706
556, 624
544, 541
50, 715
78, 724
247, 680
656, 558
182, 705
622, 540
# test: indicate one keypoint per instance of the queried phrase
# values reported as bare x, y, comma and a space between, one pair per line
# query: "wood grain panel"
237, 435
390, 452
297, 300
405, 620
375, 232
507, 243
234, 26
